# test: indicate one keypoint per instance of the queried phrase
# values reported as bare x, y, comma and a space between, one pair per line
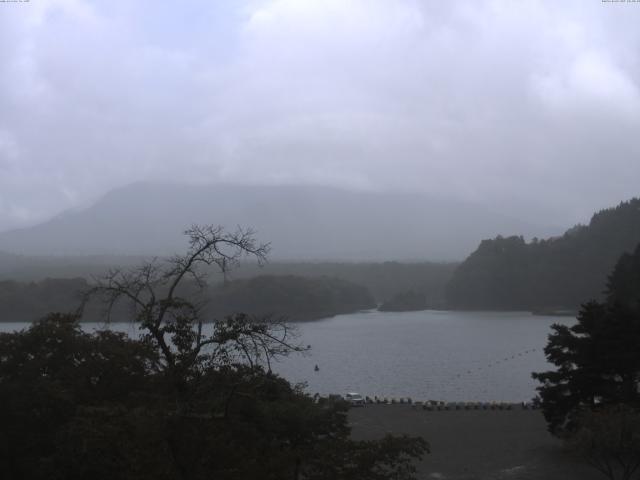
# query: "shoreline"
537, 313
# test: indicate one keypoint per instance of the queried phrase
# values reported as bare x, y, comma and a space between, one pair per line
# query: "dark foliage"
26, 302
177, 403
296, 298
405, 302
597, 359
52, 373
558, 273
101, 406
383, 280
609, 440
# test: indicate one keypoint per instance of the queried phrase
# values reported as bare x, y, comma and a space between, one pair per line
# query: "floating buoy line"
495, 363
444, 405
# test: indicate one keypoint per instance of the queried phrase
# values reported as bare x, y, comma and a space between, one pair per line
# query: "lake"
439, 355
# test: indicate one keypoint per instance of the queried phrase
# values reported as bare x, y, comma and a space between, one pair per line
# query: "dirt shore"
476, 444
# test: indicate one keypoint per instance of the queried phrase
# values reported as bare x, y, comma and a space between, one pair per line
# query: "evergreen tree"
558, 273
597, 359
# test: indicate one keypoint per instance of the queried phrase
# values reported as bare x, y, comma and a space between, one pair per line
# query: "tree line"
288, 296
383, 280
556, 273
592, 398
176, 403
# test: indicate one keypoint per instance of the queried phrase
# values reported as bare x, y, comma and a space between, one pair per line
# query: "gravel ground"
476, 444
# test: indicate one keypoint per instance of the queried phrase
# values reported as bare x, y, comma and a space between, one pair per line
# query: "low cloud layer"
531, 108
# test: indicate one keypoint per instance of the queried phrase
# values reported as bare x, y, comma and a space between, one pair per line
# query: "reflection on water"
439, 355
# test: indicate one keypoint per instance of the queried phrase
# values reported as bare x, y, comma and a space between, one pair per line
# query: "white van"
355, 399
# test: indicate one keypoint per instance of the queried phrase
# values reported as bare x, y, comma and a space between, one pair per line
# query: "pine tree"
598, 358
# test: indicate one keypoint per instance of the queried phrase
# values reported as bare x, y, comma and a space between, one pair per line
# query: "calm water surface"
440, 355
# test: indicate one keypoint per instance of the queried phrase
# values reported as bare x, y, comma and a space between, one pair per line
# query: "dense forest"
29, 301
292, 297
26, 292
596, 358
406, 302
283, 296
556, 273
382, 279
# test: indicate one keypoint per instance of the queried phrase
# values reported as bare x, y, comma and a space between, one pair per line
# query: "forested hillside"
26, 302
556, 273
383, 279
282, 296
295, 298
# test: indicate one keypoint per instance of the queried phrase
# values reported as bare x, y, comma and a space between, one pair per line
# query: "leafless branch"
154, 292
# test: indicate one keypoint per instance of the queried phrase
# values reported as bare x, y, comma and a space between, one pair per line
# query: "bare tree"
166, 299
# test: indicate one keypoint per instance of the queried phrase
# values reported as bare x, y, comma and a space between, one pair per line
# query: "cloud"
590, 81
531, 107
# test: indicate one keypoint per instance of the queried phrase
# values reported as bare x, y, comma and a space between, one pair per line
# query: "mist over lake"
226, 224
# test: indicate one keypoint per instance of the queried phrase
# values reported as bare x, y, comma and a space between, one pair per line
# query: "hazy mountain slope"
563, 272
300, 222
36, 268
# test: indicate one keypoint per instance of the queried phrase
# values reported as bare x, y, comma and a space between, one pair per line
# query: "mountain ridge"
312, 223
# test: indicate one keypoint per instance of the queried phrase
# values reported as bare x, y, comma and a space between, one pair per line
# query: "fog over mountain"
530, 109
301, 223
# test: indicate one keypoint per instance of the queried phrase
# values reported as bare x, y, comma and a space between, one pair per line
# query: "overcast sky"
522, 106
